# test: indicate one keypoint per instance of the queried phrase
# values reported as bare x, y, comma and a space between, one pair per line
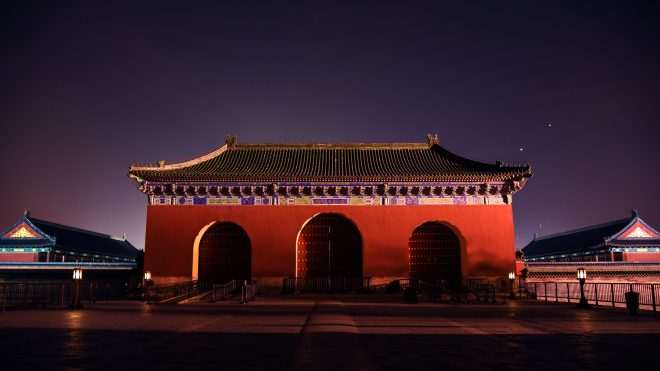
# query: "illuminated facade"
40, 241
329, 210
630, 240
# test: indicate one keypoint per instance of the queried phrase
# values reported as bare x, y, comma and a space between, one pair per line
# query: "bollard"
632, 301
410, 295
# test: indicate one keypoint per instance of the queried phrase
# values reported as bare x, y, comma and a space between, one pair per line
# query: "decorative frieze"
24, 249
381, 194
635, 249
320, 200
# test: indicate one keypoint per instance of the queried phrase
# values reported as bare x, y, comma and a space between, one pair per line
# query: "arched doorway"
435, 254
329, 246
225, 253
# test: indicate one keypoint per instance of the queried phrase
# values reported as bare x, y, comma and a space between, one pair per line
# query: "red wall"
19, 257
486, 234
641, 257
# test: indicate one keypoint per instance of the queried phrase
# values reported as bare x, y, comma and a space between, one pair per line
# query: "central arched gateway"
329, 246
435, 254
225, 253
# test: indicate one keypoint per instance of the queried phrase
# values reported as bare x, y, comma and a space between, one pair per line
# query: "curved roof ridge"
63, 226
467, 160
180, 165
459, 158
584, 229
330, 145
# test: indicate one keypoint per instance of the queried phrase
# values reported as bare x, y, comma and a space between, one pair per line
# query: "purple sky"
88, 89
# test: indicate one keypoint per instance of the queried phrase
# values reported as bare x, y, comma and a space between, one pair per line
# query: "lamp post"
329, 257
75, 300
512, 277
582, 276
522, 281
147, 279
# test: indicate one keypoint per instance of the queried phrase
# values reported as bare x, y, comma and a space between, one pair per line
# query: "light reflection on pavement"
315, 332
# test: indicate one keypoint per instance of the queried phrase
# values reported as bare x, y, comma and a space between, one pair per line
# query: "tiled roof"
575, 240
331, 163
79, 240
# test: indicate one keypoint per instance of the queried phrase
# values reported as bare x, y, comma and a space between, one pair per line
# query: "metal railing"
396, 286
435, 290
326, 284
222, 291
482, 289
31, 294
409, 282
174, 293
253, 289
594, 264
392, 287
68, 265
559, 270
597, 293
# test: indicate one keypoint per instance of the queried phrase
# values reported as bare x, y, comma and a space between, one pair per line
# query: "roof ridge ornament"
432, 140
26, 213
634, 213
161, 163
230, 140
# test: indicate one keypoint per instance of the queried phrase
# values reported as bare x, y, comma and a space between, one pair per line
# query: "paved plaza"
336, 333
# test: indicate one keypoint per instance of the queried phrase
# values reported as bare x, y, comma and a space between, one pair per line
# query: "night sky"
88, 89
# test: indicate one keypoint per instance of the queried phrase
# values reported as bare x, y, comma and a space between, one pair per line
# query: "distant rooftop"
631, 231
36, 235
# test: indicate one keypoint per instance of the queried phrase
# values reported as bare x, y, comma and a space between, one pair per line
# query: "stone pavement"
328, 333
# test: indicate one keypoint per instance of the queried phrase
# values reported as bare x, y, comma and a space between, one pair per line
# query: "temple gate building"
330, 210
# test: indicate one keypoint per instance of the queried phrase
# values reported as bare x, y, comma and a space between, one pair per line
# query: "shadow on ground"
53, 349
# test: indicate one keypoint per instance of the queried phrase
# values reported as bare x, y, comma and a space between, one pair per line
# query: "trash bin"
632, 301
410, 295
393, 287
